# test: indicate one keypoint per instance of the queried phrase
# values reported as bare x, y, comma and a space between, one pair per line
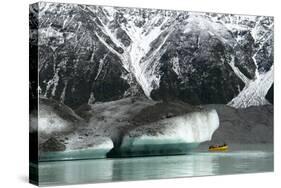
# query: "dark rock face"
244, 51
73, 64
270, 94
76, 75
85, 54
264, 56
204, 75
52, 144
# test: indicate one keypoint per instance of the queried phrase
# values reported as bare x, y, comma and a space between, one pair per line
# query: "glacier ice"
55, 117
177, 135
67, 131
109, 132
50, 122
91, 148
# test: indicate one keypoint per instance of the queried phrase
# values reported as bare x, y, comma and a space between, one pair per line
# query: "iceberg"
176, 135
92, 148
122, 128
63, 135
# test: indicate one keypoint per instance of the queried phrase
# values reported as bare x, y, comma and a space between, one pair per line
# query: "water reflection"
140, 168
77, 171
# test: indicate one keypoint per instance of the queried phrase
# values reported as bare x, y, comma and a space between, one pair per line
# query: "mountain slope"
99, 53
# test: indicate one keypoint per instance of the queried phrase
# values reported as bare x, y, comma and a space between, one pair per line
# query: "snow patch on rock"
254, 92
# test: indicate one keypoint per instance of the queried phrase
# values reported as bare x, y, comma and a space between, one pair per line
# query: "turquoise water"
75, 154
246, 159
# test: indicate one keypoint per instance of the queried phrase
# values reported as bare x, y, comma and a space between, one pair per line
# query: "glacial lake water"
239, 159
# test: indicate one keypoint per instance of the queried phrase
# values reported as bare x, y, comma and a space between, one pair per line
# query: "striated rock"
98, 53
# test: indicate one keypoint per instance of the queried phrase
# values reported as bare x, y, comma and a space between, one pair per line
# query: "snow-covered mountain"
99, 53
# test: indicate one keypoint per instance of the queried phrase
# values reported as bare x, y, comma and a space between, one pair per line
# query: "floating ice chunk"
86, 148
177, 135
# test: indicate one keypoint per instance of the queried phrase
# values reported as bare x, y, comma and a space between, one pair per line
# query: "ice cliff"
176, 135
113, 130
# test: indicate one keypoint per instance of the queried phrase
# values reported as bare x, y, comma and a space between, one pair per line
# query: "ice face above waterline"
193, 127
55, 117
109, 133
177, 135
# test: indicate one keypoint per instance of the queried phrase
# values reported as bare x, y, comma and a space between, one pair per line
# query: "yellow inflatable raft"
218, 148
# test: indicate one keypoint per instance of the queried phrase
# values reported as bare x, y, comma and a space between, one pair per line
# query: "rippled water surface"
246, 159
